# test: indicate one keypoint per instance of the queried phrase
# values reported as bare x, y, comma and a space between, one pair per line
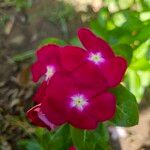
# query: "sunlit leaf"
127, 108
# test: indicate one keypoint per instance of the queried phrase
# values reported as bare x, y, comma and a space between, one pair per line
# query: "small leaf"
127, 108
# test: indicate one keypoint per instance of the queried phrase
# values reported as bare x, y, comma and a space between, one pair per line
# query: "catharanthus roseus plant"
80, 87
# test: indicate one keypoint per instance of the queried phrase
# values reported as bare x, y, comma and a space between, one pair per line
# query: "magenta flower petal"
56, 116
81, 119
40, 93
47, 64
48, 53
114, 70
95, 44
75, 83
37, 117
89, 76
72, 57
37, 71
62, 96
103, 106
55, 104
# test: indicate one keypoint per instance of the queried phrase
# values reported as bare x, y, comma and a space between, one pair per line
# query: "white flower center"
49, 73
79, 101
95, 57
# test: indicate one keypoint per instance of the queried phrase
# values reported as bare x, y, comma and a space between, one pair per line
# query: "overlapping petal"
38, 70
114, 70
40, 93
82, 119
95, 44
72, 57
48, 55
103, 106
37, 117
58, 103
88, 76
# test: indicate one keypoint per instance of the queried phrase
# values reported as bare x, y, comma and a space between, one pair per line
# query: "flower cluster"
75, 83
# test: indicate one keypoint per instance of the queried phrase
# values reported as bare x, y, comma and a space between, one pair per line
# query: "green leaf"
144, 33
127, 108
29, 145
43, 137
124, 4
142, 50
135, 84
103, 16
75, 41
100, 31
124, 51
61, 139
132, 20
89, 140
145, 78
102, 138
78, 138
140, 64
52, 41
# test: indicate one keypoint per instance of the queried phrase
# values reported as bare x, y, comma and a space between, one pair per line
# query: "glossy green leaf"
127, 108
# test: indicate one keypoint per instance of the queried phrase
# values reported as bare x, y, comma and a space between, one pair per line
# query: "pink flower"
47, 62
85, 74
75, 83
98, 54
82, 107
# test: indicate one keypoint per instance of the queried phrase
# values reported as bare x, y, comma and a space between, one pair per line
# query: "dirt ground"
24, 31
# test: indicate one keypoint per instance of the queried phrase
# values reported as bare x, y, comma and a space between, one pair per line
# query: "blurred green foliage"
127, 29
18, 4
